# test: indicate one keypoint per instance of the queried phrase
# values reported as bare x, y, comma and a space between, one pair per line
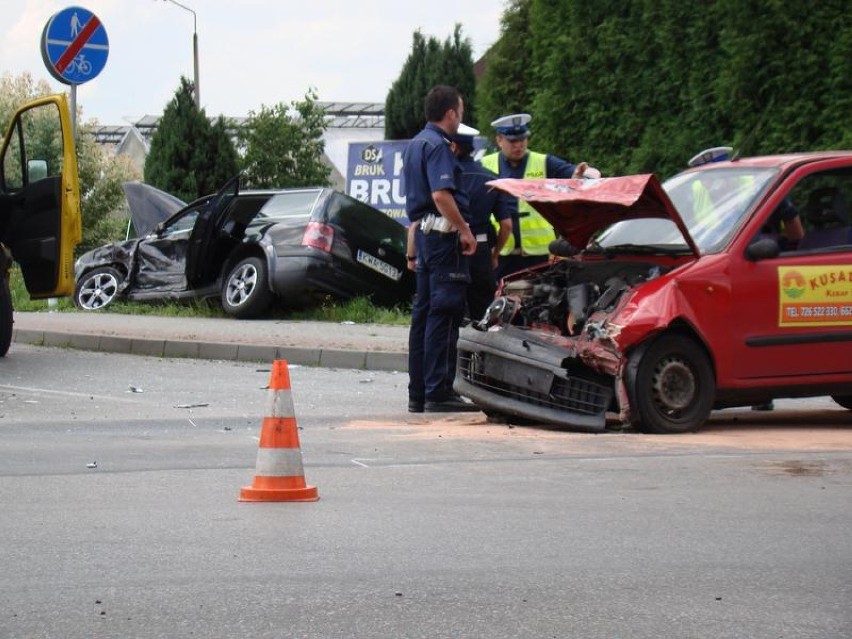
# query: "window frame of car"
798, 187
166, 230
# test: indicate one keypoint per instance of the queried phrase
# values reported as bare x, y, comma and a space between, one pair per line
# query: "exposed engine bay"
566, 295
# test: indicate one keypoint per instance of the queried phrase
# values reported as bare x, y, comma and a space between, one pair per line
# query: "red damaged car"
675, 299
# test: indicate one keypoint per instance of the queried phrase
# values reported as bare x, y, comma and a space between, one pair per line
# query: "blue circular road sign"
74, 45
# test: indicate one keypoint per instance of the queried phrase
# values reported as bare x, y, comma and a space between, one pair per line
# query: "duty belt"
437, 223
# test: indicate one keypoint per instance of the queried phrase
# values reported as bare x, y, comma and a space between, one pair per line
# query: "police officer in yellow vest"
531, 232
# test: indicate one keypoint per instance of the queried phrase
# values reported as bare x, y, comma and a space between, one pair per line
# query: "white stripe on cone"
279, 403
279, 462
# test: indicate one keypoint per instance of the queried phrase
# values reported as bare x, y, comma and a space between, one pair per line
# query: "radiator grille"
573, 394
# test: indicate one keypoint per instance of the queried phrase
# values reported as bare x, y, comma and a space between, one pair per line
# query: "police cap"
513, 127
465, 134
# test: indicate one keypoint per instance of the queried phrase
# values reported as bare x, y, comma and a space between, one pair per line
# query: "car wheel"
843, 400
97, 288
671, 385
5, 315
245, 293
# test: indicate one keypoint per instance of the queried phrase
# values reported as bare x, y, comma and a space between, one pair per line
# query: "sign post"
74, 47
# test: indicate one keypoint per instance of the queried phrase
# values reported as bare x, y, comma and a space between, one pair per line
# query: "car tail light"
318, 235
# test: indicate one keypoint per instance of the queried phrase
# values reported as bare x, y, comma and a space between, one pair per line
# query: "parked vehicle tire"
843, 400
671, 385
97, 288
5, 315
245, 291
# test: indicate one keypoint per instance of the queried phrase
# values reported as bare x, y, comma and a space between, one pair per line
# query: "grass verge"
359, 310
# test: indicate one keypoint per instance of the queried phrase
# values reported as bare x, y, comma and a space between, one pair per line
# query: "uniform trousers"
442, 280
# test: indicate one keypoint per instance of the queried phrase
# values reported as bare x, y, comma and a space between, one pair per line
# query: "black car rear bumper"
299, 278
508, 371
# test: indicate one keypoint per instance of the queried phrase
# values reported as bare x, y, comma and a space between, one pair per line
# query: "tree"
430, 63
284, 145
189, 157
100, 172
102, 197
504, 87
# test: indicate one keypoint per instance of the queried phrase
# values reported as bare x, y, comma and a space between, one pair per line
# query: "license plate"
380, 266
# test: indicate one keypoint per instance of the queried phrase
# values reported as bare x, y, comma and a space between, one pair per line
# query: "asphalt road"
119, 479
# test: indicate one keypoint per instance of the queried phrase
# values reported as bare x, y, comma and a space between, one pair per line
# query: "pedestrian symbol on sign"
75, 25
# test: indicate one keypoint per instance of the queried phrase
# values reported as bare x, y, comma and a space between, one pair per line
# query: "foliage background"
641, 86
284, 145
430, 63
101, 173
190, 157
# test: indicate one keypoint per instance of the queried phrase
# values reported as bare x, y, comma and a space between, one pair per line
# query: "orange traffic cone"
279, 475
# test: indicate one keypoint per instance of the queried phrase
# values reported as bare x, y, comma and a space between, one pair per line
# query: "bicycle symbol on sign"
79, 64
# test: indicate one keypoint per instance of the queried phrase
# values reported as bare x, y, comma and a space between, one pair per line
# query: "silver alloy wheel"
97, 290
241, 284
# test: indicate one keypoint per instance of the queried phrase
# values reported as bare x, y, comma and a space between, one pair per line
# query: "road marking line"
49, 391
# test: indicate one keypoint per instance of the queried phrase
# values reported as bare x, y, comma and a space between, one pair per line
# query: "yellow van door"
40, 223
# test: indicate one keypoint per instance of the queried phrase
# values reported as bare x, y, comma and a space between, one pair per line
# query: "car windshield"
712, 202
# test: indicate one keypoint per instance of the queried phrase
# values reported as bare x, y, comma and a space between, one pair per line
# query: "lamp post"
194, 50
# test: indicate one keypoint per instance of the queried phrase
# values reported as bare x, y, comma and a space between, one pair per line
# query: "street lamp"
194, 50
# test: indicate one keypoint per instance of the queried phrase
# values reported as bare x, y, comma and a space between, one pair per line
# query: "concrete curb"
327, 358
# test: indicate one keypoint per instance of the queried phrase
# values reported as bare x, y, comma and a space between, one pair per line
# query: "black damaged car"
295, 246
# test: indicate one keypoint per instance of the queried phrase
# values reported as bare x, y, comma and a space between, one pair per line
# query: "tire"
5, 315
97, 288
843, 400
245, 291
671, 385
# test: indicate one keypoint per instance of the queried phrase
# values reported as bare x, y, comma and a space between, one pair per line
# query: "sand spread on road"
818, 430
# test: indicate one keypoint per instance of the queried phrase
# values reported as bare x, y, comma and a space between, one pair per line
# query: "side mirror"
763, 249
36, 170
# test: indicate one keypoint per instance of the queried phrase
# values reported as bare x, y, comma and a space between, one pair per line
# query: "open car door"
201, 247
40, 222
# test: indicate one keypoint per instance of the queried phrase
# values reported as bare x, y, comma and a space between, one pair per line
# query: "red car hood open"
580, 208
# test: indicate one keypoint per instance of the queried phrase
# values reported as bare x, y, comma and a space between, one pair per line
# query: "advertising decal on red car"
815, 295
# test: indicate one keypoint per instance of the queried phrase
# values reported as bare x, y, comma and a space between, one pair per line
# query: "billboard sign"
374, 175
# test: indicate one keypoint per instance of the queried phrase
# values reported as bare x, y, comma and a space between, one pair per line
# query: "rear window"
355, 217
293, 205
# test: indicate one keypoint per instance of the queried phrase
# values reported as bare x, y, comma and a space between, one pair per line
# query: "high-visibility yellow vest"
702, 205
536, 232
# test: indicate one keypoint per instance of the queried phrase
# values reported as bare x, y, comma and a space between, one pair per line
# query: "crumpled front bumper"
510, 371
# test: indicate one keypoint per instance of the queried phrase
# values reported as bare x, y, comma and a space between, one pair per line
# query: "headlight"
501, 311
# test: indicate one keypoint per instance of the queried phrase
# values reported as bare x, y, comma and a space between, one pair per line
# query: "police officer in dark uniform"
484, 201
438, 207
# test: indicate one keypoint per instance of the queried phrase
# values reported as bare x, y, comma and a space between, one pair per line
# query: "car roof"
312, 189
782, 161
